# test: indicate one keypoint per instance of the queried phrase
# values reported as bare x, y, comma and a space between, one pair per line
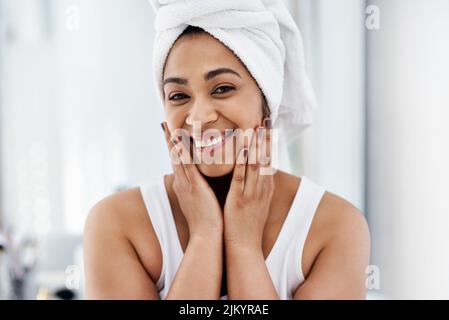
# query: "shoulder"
337, 253
117, 212
334, 216
341, 220
121, 220
344, 244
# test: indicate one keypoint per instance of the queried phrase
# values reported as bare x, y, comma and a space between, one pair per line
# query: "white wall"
111, 112
29, 84
408, 147
332, 151
81, 117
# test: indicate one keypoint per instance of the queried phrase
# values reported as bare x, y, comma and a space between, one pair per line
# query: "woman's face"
207, 87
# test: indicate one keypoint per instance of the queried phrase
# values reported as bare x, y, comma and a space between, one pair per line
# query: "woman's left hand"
248, 202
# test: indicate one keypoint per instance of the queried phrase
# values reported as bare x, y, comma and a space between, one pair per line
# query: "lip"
227, 135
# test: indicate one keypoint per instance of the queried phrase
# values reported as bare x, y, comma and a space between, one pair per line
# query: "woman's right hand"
196, 198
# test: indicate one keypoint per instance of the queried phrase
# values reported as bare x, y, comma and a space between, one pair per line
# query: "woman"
225, 229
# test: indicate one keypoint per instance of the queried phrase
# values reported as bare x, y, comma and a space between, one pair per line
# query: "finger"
264, 155
176, 161
180, 143
187, 161
268, 129
243, 139
265, 185
265, 178
253, 166
267, 150
238, 177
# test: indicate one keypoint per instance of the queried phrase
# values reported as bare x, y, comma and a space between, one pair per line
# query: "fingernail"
162, 126
268, 123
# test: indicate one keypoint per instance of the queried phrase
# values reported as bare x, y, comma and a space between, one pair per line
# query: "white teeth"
209, 143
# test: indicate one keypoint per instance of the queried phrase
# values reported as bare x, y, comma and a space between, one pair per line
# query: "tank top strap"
300, 215
285, 260
157, 204
305, 209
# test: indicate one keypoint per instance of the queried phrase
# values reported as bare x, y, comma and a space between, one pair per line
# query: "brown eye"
223, 89
178, 96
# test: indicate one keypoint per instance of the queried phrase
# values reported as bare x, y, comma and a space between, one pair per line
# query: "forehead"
201, 53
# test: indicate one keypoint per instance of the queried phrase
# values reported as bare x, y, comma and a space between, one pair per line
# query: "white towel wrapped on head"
262, 34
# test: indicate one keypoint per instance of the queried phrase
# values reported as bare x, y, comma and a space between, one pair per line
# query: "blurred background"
79, 120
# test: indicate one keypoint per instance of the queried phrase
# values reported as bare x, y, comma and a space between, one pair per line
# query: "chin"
215, 170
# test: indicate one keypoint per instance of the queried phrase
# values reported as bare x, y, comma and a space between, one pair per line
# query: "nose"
202, 113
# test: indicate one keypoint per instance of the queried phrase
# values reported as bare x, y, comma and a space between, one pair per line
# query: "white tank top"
284, 260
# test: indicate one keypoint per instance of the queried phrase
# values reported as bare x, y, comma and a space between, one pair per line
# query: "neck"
220, 186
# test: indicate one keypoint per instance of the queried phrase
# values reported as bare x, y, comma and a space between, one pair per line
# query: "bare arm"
339, 270
247, 274
114, 271
112, 267
200, 272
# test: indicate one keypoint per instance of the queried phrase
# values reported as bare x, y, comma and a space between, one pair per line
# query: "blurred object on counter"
20, 253
2, 242
65, 294
58, 267
43, 294
58, 294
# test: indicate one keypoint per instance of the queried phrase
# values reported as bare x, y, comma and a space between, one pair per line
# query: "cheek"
245, 114
175, 117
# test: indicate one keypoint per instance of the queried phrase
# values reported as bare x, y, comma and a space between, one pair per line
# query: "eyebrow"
207, 77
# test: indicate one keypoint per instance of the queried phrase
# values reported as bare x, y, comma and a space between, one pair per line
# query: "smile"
214, 143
